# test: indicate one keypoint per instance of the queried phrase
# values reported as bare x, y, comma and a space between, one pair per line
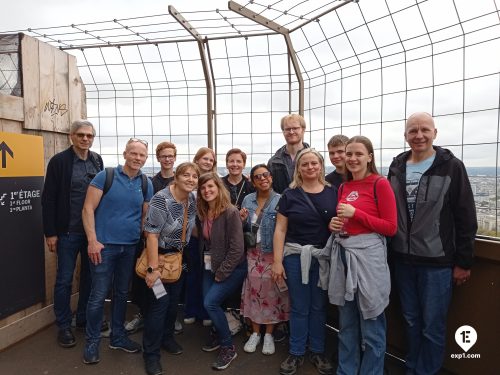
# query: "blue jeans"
116, 268
425, 294
194, 279
159, 318
68, 247
361, 342
215, 293
307, 307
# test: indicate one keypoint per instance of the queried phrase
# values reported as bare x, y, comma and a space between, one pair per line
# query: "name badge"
207, 259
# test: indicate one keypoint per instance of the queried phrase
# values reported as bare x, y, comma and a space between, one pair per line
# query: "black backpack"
110, 174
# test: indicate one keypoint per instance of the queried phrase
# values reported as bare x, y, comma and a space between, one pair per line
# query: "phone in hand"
281, 284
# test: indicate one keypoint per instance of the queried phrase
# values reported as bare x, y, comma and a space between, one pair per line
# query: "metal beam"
206, 71
184, 23
316, 18
247, 13
242, 11
293, 57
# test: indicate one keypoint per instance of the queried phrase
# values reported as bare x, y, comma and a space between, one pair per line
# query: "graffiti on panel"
55, 109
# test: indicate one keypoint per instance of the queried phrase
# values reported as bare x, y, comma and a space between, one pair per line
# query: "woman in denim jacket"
262, 301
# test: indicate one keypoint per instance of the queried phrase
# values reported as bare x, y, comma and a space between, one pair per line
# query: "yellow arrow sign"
21, 155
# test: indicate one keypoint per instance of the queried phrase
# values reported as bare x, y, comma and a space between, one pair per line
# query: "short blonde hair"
291, 117
297, 178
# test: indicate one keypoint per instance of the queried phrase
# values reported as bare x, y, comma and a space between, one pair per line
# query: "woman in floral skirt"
262, 302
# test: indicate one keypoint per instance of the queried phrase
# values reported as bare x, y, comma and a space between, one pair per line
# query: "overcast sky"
21, 14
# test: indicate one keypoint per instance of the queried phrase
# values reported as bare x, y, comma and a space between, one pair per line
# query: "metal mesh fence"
352, 68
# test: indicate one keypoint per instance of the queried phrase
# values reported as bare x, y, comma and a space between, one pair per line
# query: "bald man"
113, 223
433, 247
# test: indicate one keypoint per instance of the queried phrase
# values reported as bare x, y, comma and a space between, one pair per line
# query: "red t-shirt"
370, 216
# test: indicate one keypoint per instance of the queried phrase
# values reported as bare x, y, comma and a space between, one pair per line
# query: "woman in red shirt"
360, 280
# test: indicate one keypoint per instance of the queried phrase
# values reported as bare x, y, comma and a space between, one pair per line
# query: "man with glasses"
113, 224
166, 154
282, 163
68, 176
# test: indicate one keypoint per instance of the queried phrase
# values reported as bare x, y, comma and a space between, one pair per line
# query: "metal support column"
206, 71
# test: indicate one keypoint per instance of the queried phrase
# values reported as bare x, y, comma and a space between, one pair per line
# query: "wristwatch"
151, 269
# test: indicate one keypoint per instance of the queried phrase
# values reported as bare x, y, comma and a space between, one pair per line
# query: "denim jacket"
268, 219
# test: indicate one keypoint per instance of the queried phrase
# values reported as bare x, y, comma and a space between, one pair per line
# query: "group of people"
285, 240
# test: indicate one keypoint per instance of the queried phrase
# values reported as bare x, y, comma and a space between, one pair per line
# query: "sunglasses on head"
131, 140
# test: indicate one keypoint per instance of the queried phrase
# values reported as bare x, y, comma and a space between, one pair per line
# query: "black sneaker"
226, 355
279, 333
212, 343
321, 363
65, 338
290, 365
153, 367
171, 346
126, 345
91, 353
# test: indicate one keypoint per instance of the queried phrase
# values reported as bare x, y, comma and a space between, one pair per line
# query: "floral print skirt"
261, 300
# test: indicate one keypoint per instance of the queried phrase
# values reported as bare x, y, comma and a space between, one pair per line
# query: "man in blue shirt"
68, 176
113, 224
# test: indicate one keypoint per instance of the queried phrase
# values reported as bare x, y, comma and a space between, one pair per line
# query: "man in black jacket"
68, 176
433, 247
282, 163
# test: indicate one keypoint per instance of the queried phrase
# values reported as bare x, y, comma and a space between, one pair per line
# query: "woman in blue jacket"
262, 301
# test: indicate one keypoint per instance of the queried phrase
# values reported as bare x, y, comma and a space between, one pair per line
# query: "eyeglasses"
166, 157
291, 130
83, 135
259, 176
131, 140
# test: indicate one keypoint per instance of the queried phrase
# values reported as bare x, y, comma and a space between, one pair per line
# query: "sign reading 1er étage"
22, 269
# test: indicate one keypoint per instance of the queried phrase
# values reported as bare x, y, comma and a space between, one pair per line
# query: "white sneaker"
177, 327
189, 320
207, 323
252, 343
268, 346
135, 324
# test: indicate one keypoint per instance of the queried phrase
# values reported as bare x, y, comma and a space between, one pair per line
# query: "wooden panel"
47, 98
11, 107
31, 82
75, 91
60, 111
11, 126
